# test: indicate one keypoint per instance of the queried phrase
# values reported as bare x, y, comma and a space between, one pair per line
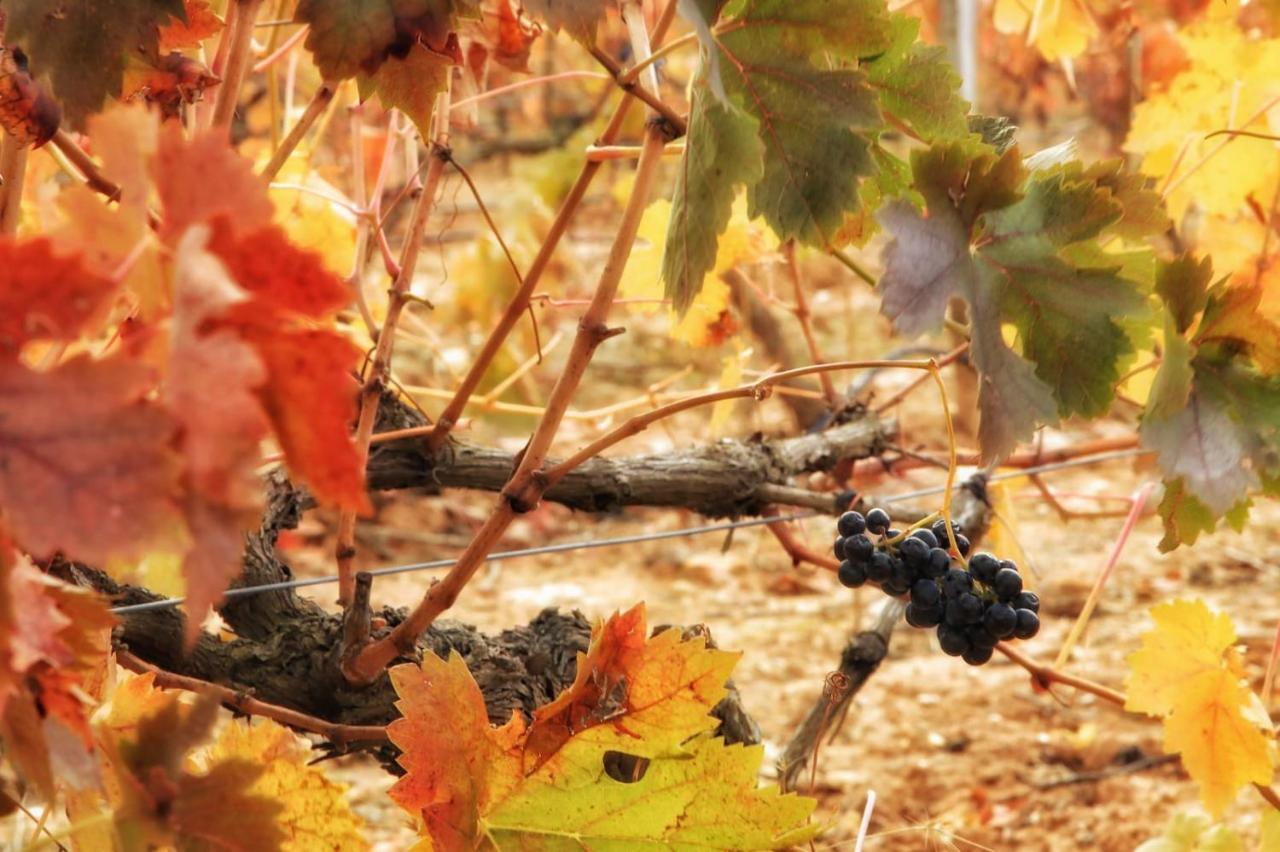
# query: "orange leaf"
96, 484
310, 396
185, 170
44, 296
279, 275
202, 22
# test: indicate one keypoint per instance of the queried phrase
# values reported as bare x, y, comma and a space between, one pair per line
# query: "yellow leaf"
1188, 832
708, 321
1228, 84
1058, 28
559, 782
1188, 673
315, 813
311, 221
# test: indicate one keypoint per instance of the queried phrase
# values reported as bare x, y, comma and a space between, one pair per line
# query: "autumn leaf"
241, 196
350, 37
44, 296
314, 813
84, 51
1188, 673
94, 486
467, 782
410, 84
201, 23
579, 18
1059, 29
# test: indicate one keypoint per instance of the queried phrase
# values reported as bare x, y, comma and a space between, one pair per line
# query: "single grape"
964, 608
977, 655
851, 574
1027, 600
962, 544
1000, 620
892, 533
922, 616
877, 520
980, 637
926, 593
954, 640
1007, 584
858, 548
1028, 624
838, 547
939, 562
851, 523
879, 567
939, 530
1009, 563
895, 586
926, 536
983, 567
956, 582
914, 552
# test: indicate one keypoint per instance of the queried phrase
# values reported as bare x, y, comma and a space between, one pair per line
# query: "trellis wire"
568, 546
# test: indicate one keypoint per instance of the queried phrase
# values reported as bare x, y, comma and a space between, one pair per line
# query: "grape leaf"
44, 296
241, 196
725, 154
1183, 285
467, 782
1188, 673
200, 23
409, 84
917, 85
350, 37
579, 18
314, 813
83, 50
1232, 316
1206, 448
94, 486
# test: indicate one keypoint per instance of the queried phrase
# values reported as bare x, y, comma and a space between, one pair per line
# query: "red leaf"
277, 273
85, 462
44, 296
310, 397
201, 23
185, 171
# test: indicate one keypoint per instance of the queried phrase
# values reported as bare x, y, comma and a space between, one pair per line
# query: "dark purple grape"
926, 593
1027, 600
838, 547
977, 655
877, 521
980, 637
879, 567
983, 567
962, 545
851, 523
926, 536
1028, 624
921, 616
1007, 584
858, 548
956, 582
1000, 619
954, 640
939, 562
851, 574
964, 608
939, 530
914, 552
892, 533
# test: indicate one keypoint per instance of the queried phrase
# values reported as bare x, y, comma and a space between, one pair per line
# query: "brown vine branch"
319, 101
380, 367
519, 302
246, 704
13, 172
93, 176
524, 489
635, 89
945, 361
802, 315
241, 36
1026, 458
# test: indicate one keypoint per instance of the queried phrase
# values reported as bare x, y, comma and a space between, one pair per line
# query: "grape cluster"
972, 607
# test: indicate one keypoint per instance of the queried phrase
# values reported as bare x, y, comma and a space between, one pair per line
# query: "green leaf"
1172, 384
1183, 285
348, 37
917, 85
1205, 447
409, 84
1184, 516
998, 131
807, 28
83, 45
724, 154
1144, 215
1055, 212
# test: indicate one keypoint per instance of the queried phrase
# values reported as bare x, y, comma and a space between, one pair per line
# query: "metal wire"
565, 547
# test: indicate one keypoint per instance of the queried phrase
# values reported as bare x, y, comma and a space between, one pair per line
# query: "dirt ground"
956, 756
